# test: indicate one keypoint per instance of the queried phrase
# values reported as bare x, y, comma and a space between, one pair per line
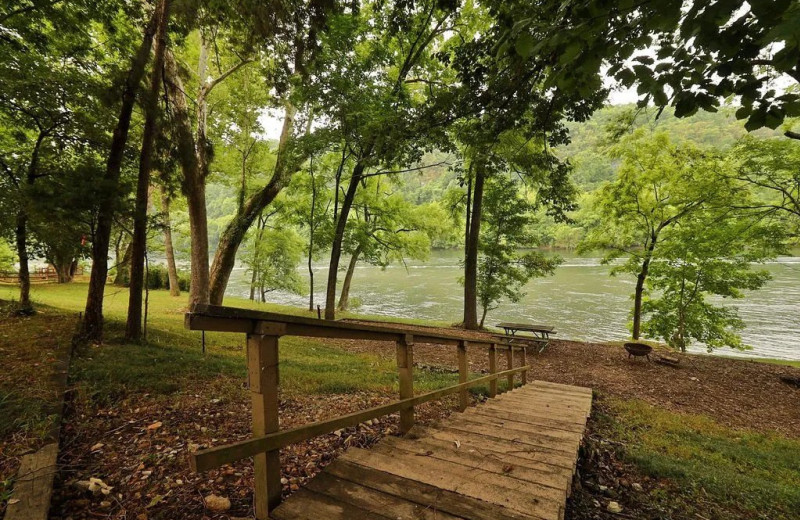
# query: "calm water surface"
581, 300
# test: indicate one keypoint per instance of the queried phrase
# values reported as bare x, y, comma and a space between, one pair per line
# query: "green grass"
743, 470
173, 355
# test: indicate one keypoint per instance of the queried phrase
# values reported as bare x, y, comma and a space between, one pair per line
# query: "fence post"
524, 373
463, 369
493, 369
405, 368
510, 360
262, 369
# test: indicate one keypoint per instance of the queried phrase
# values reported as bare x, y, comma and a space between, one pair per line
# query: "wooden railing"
263, 330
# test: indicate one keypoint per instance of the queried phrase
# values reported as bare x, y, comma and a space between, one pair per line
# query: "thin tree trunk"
262, 224
336, 249
311, 228
236, 230
123, 267
21, 230
193, 183
639, 292
133, 328
172, 270
344, 298
471, 253
24, 275
92, 327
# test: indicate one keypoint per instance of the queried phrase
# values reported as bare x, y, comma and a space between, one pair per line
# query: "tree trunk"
92, 327
235, 231
336, 249
193, 183
639, 292
24, 276
133, 327
344, 298
123, 267
172, 270
471, 253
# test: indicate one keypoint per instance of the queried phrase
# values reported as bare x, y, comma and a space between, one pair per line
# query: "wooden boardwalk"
512, 457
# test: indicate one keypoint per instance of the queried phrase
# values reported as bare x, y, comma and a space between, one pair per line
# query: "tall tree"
133, 327
658, 185
376, 96
92, 326
298, 58
194, 152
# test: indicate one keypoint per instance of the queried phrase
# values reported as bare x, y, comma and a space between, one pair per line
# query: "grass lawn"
173, 353
705, 468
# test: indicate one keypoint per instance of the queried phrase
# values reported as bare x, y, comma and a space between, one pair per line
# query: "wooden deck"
512, 457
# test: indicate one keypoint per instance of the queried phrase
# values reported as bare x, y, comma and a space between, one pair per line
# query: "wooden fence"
263, 330
39, 275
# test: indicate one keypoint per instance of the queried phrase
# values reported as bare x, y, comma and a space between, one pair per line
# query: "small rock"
637, 487
614, 507
217, 504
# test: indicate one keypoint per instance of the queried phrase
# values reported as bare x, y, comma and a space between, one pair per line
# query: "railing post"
493, 369
463, 398
510, 360
262, 368
524, 373
405, 368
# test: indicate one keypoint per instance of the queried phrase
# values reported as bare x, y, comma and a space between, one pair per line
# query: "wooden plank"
372, 500
424, 494
576, 419
493, 370
405, 368
507, 424
451, 463
513, 494
563, 405
463, 373
548, 422
214, 457
563, 387
262, 367
535, 389
510, 363
554, 439
308, 505
506, 466
519, 449
533, 439
33, 487
524, 356
549, 472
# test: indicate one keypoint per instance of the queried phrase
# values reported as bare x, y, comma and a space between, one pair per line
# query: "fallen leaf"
13, 501
156, 425
457, 443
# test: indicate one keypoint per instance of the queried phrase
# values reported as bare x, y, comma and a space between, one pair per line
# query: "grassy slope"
705, 460
753, 473
174, 353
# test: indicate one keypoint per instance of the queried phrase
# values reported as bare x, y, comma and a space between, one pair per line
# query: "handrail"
263, 331
232, 319
204, 460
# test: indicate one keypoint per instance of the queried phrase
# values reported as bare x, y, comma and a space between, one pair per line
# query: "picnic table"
539, 334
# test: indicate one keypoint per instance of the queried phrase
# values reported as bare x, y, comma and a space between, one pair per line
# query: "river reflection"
581, 300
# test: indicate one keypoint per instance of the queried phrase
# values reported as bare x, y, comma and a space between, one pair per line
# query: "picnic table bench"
539, 334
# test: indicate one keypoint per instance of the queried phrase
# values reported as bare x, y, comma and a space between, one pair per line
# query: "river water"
581, 300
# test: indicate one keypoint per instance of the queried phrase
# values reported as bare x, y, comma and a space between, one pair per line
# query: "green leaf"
524, 45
